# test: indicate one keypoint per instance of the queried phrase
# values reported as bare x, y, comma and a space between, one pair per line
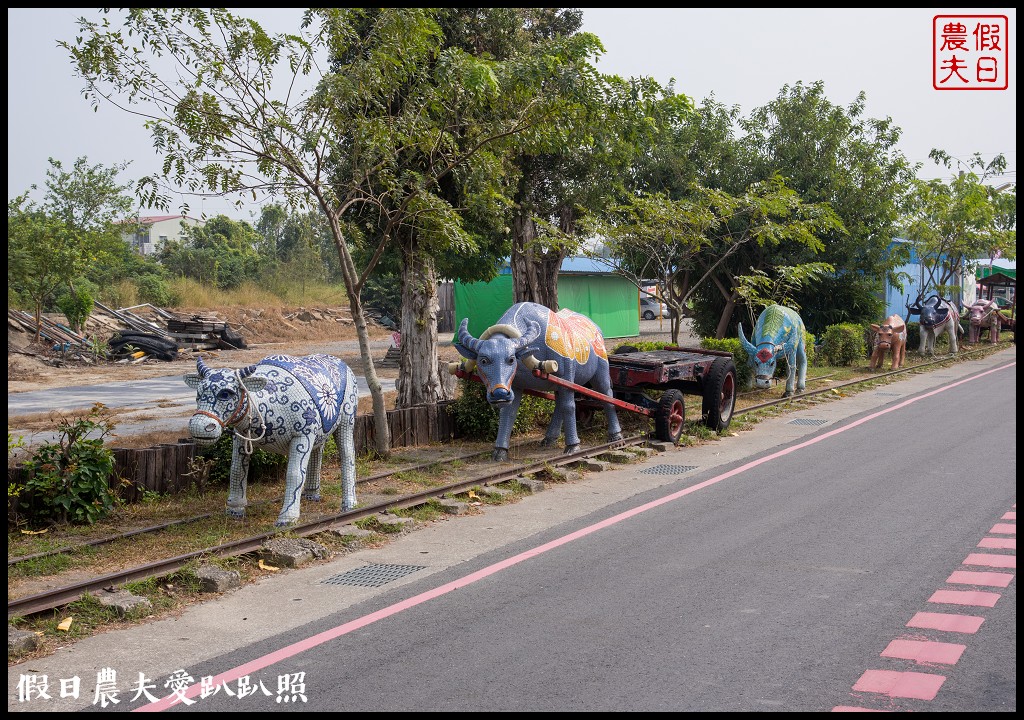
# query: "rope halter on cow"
244, 409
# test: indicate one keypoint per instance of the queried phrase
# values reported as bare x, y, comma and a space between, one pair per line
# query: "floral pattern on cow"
285, 405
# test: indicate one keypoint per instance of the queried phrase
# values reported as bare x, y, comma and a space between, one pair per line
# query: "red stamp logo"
970, 52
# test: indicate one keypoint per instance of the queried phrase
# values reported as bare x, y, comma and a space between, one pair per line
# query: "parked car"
651, 309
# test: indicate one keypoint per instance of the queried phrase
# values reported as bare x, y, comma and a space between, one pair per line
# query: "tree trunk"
419, 381
534, 269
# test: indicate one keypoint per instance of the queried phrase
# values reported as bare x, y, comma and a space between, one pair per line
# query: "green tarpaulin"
609, 300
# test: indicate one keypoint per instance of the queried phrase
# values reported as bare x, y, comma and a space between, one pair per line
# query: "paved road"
825, 558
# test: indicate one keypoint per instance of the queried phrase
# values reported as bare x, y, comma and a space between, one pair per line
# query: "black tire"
719, 394
648, 314
670, 417
626, 350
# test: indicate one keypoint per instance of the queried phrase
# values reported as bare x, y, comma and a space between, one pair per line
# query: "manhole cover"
372, 575
807, 421
668, 469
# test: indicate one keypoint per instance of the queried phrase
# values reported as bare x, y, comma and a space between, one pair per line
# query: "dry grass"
251, 295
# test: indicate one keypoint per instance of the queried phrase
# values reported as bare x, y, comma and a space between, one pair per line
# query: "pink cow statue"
984, 315
891, 335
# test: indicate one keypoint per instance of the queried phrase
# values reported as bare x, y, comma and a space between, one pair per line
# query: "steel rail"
58, 597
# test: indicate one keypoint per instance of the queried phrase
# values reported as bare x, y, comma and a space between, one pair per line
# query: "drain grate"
888, 394
807, 421
372, 575
668, 469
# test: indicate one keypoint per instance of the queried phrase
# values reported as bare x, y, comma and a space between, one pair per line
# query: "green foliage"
843, 344
218, 457
69, 480
477, 419
744, 373
155, 291
77, 306
913, 335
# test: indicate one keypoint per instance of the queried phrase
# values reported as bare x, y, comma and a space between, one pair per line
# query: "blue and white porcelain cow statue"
528, 336
285, 405
779, 331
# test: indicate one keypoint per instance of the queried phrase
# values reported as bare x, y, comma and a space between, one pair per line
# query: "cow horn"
247, 371
465, 339
203, 370
507, 330
746, 344
532, 333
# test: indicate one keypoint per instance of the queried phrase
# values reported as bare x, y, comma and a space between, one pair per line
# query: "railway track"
529, 458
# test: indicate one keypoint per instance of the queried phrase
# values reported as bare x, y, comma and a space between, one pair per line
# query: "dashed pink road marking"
965, 597
946, 622
1004, 529
919, 686
991, 579
991, 560
925, 651
998, 543
1009, 516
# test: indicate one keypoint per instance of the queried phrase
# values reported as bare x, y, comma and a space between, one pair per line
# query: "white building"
155, 231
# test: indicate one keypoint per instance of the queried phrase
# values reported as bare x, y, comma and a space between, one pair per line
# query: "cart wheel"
668, 421
626, 350
719, 394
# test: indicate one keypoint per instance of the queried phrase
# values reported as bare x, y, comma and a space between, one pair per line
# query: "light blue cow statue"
779, 331
530, 336
285, 405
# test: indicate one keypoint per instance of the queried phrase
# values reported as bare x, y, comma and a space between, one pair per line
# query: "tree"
78, 224
953, 224
221, 252
685, 243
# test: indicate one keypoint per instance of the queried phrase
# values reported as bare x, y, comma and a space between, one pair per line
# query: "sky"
740, 56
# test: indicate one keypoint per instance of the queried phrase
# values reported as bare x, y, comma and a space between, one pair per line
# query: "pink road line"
978, 598
991, 560
925, 651
998, 543
1004, 529
991, 579
919, 686
852, 708
947, 622
1009, 516
345, 628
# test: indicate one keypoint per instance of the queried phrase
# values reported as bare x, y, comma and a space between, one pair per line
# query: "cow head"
934, 311
883, 335
221, 399
761, 358
980, 311
497, 353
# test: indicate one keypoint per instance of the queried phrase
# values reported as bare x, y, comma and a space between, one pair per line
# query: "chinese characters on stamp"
970, 52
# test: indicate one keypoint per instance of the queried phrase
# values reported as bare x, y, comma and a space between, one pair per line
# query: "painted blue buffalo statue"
936, 316
285, 405
779, 331
530, 336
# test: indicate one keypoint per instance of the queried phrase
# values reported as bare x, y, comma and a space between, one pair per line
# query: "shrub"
744, 373
69, 480
843, 344
477, 419
77, 306
155, 291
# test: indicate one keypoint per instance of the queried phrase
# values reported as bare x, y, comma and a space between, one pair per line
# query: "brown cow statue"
984, 315
891, 335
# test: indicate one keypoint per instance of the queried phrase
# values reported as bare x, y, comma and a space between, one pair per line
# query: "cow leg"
311, 488
298, 460
604, 386
801, 367
506, 419
345, 440
564, 419
237, 480
954, 332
